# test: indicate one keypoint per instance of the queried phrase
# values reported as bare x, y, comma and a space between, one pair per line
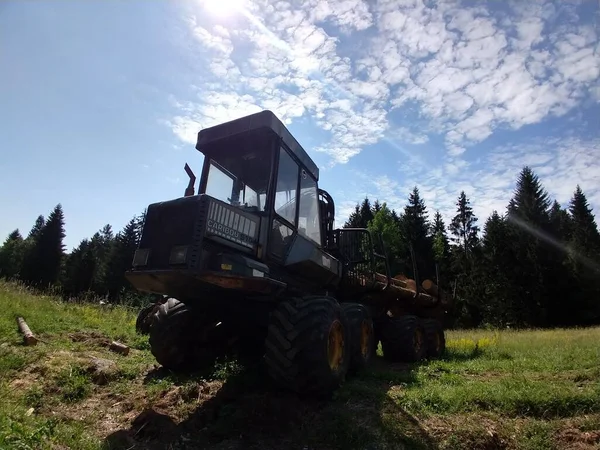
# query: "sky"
101, 101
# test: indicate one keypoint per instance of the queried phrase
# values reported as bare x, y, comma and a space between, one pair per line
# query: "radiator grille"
227, 223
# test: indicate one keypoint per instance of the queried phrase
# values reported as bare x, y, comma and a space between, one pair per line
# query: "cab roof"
262, 120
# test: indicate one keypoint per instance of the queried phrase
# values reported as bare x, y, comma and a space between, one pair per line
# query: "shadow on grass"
249, 412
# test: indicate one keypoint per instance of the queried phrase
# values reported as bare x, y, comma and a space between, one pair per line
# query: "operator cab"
255, 164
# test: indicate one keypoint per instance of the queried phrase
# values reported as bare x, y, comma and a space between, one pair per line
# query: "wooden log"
28, 337
119, 348
431, 288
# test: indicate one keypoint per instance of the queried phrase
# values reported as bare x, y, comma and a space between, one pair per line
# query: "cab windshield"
239, 176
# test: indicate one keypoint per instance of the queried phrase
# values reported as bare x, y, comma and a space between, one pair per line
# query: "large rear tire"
434, 336
403, 339
362, 335
307, 346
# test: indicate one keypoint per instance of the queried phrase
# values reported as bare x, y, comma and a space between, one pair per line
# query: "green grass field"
492, 390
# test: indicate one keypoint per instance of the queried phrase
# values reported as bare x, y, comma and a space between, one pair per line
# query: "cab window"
309, 224
287, 187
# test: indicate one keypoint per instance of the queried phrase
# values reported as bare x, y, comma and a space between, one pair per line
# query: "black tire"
362, 335
403, 339
145, 318
171, 339
179, 337
297, 350
435, 338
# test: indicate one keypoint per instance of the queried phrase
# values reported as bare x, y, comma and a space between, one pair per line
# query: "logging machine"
252, 264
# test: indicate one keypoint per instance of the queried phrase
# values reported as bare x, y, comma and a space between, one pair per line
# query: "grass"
492, 390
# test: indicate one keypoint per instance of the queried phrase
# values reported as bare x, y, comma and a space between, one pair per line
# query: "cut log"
119, 348
28, 337
431, 288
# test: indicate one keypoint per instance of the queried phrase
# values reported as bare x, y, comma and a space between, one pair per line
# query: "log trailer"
252, 264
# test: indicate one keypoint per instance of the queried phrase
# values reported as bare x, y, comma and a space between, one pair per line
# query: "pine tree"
376, 207
37, 228
354, 218
414, 227
79, 270
11, 255
101, 244
584, 261
463, 227
529, 223
121, 257
585, 237
28, 269
501, 307
465, 261
366, 213
48, 250
440, 238
441, 250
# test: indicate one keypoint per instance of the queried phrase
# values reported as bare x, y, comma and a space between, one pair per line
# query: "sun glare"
223, 8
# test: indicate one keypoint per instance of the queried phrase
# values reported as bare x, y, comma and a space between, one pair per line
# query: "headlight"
178, 255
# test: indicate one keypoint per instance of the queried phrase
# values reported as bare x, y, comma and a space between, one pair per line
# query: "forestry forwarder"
252, 263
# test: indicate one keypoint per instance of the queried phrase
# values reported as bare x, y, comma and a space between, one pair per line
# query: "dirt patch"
90, 337
576, 439
477, 433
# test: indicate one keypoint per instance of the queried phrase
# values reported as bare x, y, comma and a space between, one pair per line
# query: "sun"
223, 8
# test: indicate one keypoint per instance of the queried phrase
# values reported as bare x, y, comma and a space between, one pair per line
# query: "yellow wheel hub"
366, 332
335, 345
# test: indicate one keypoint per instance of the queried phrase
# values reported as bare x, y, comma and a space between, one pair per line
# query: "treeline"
533, 265
94, 269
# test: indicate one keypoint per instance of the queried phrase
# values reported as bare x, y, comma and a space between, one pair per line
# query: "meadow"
496, 389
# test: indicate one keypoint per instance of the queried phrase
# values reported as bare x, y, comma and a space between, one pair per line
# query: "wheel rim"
366, 332
335, 345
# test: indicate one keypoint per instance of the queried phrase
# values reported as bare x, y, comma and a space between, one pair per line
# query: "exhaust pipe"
189, 190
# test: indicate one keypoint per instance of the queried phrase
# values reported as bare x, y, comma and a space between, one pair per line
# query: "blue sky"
101, 101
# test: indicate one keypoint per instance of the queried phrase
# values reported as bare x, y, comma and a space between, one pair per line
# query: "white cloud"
560, 164
353, 66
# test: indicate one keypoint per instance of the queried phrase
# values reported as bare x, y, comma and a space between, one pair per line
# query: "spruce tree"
584, 261
441, 248
11, 255
121, 258
366, 213
48, 250
79, 270
500, 307
585, 236
37, 228
29, 262
101, 244
414, 226
354, 218
376, 207
463, 227
528, 216
465, 262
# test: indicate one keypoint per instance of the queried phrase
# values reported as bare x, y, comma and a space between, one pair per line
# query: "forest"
536, 264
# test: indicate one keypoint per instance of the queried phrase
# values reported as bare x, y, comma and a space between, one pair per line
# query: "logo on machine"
230, 225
